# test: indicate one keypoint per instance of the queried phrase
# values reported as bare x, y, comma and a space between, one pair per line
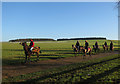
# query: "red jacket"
32, 44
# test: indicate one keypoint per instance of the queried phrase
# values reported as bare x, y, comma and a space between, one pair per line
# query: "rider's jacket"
32, 44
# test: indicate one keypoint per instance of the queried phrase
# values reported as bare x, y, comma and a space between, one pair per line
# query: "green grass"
13, 53
104, 69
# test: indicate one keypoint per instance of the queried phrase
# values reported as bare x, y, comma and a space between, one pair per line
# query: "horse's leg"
90, 52
25, 57
29, 57
95, 50
75, 53
78, 49
104, 49
85, 52
37, 55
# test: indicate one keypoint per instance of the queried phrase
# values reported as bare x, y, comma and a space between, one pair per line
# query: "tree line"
37, 39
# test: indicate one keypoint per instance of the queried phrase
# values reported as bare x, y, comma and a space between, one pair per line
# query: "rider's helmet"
31, 40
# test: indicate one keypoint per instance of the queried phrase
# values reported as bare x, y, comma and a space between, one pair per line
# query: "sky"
59, 20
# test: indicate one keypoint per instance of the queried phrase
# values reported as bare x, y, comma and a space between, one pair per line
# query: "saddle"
35, 49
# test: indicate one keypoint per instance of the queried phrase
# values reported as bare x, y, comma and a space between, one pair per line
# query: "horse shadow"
12, 50
91, 79
42, 56
51, 57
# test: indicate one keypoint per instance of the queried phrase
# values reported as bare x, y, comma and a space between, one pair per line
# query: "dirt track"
15, 70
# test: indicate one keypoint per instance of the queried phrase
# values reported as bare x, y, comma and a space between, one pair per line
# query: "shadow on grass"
21, 59
95, 77
72, 53
52, 57
57, 50
48, 55
68, 71
12, 50
13, 62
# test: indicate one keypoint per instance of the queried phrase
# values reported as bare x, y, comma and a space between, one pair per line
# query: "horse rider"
105, 43
31, 45
86, 45
96, 45
77, 44
111, 45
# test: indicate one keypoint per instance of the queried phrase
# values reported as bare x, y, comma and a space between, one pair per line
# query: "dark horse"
105, 47
28, 53
95, 48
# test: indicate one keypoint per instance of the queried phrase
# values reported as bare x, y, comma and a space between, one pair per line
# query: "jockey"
86, 45
77, 45
96, 45
111, 45
105, 44
31, 45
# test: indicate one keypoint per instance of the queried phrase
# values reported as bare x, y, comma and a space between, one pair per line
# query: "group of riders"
94, 46
77, 45
31, 49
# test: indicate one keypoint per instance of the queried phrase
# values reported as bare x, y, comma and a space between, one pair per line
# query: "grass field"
105, 69
13, 53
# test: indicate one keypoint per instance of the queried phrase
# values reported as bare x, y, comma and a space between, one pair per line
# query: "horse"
82, 49
95, 48
28, 53
86, 51
74, 49
105, 47
77, 49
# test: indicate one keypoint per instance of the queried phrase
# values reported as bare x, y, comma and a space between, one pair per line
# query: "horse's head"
20, 43
23, 43
72, 46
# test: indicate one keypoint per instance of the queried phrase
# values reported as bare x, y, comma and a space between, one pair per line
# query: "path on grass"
15, 70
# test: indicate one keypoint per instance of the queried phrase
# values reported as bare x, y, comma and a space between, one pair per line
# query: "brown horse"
86, 51
74, 48
28, 53
77, 49
82, 49
105, 47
